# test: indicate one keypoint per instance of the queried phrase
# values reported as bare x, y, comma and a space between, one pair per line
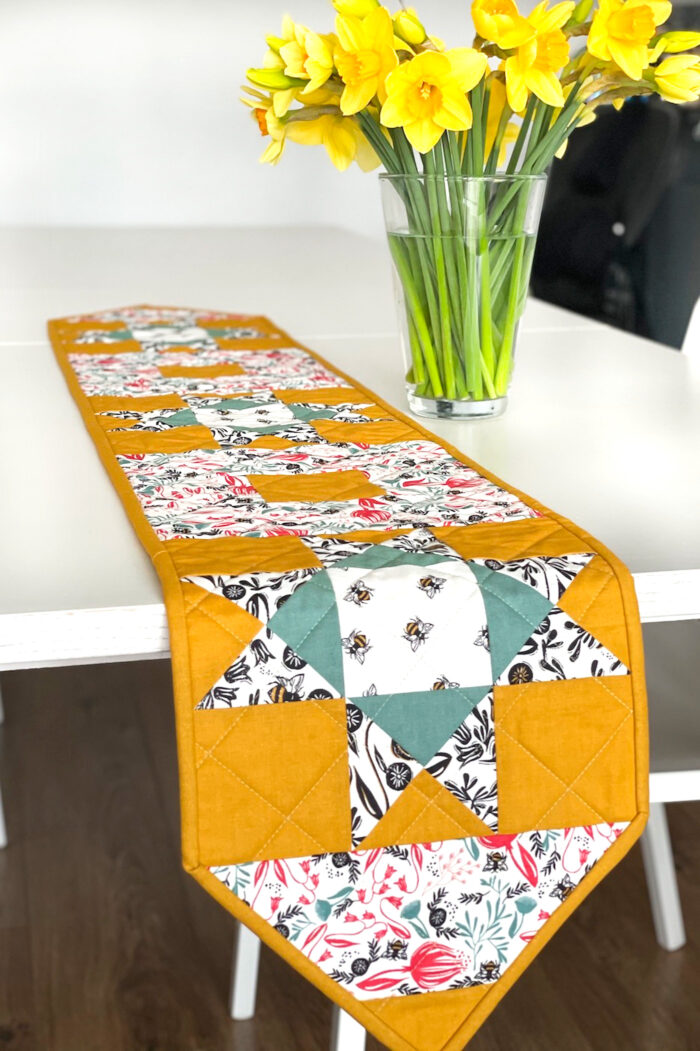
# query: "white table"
602, 426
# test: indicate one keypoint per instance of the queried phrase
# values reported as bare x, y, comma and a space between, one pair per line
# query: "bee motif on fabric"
496, 861
431, 585
482, 639
286, 689
489, 971
356, 645
416, 632
563, 888
443, 683
359, 593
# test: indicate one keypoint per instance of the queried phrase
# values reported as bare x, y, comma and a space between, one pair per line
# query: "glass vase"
462, 251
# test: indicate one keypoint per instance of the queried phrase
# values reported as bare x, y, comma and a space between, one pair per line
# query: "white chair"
346, 1033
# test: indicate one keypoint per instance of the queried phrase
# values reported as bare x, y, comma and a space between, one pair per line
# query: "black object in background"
619, 238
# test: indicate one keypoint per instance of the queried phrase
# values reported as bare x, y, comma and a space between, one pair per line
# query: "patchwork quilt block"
410, 700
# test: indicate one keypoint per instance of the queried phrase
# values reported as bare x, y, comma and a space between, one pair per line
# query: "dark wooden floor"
105, 944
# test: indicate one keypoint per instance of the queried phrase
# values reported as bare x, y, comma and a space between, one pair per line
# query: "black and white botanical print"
380, 770
550, 575
260, 594
330, 550
267, 672
466, 763
559, 648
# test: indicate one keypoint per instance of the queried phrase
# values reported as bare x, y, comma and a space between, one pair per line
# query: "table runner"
410, 702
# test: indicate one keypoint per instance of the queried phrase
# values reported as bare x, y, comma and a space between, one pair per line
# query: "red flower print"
396, 902
314, 879
350, 917
389, 872
401, 884
304, 900
305, 866
325, 956
430, 966
369, 916
361, 895
433, 964
542, 915
275, 904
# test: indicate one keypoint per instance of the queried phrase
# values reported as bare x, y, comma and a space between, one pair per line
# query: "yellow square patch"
312, 488
272, 781
565, 753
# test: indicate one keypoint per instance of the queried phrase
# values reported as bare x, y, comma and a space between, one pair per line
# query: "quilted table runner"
410, 700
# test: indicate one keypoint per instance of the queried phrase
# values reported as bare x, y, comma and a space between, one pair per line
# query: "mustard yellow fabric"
557, 742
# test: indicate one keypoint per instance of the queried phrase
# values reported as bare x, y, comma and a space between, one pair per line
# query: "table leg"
657, 853
346, 1033
244, 975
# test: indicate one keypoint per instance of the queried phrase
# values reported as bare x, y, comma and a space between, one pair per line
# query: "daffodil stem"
443, 296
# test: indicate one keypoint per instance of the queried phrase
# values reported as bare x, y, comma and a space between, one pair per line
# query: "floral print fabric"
425, 917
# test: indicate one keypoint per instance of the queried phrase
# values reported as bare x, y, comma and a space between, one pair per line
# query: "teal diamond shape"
513, 611
308, 622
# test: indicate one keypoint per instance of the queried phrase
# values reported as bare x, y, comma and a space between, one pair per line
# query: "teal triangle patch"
513, 611
422, 722
308, 622
181, 418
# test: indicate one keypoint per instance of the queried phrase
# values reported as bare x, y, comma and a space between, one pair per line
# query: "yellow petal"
281, 101
340, 144
516, 87
356, 96
545, 86
307, 132
455, 112
660, 9
423, 134
631, 58
547, 21
468, 66
348, 31
393, 112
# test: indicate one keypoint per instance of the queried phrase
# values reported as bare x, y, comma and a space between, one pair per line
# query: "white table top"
602, 426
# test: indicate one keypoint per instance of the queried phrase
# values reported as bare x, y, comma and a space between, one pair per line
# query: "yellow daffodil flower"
264, 116
497, 102
427, 94
341, 137
500, 21
308, 56
621, 31
363, 57
408, 27
677, 78
535, 65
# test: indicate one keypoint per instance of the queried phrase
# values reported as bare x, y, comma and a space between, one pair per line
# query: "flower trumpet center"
261, 117
360, 65
552, 52
633, 25
426, 100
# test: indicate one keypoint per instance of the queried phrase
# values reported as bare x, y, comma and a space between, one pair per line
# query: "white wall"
127, 112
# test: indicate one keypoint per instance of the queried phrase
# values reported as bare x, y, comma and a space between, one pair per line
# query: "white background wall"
126, 112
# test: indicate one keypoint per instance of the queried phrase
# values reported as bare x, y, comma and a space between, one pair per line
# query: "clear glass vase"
462, 250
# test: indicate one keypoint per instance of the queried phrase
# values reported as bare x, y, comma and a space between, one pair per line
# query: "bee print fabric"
410, 700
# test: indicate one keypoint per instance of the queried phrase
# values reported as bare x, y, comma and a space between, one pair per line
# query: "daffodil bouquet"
465, 136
